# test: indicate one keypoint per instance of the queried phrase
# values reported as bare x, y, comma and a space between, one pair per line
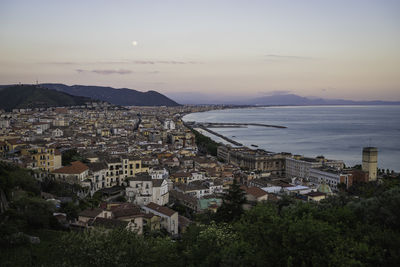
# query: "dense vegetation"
71, 155
343, 230
205, 144
31, 96
123, 97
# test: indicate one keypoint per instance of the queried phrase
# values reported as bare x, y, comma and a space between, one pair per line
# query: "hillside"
32, 96
123, 97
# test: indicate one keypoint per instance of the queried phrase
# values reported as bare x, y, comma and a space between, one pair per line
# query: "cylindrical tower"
370, 162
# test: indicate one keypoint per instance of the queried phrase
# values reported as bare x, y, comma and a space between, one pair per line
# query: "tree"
232, 206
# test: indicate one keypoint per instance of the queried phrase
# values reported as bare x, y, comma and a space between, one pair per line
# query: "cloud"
133, 62
276, 57
106, 72
149, 62
275, 92
120, 72
59, 63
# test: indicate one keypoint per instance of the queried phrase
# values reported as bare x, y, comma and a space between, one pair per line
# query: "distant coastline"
336, 131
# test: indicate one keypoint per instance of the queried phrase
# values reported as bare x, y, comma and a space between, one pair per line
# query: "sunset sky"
331, 49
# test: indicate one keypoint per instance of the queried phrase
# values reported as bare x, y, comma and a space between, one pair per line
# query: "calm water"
338, 132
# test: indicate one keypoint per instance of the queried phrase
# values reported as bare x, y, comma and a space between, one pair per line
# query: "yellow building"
121, 168
46, 158
11, 144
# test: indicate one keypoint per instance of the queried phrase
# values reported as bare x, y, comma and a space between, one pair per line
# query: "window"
137, 165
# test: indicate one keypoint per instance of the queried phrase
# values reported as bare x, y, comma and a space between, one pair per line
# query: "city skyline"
328, 49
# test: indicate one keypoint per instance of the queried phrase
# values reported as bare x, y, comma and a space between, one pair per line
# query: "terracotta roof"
142, 176
183, 221
91, 213
157, 182
181, 174
76, 167
315, 194
161, 209
126, 210
14, 141
255, 191
108, 223
97, 166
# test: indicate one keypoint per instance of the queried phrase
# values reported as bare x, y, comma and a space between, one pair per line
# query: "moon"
134, 43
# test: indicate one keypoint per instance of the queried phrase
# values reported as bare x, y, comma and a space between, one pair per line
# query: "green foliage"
343, 230
116, 248
31, 96
205, 143
33, 212
58, 188
232, 206
13, 177
70, 209
72, 155
120, 199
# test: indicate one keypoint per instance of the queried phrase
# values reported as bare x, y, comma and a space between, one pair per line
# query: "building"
57, 133
77, 172
255, 194
143, 189
169, 218
121, 168
370, 162
97, 176
4, 124
315, 196
44, 158
331, 177
250, 159
299, 167
169, 125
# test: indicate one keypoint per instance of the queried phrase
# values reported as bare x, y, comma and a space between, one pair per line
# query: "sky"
213, 49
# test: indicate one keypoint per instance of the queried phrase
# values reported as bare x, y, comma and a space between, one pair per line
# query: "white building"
57, 133
169, 125
158, 173
331, 177
169, 218
299, 167
77, 172
143, 189
4, 124
298, 189
97, 176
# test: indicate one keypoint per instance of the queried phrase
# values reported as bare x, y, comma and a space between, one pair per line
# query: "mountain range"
32, 96
271, 100
292, 99
122, 97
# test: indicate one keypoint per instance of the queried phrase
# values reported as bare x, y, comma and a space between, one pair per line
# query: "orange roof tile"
76, 167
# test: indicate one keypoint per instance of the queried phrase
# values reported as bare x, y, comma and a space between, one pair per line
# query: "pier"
221, 136
236, 125
206, 125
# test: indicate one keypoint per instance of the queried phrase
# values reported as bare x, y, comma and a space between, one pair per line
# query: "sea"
336, 132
